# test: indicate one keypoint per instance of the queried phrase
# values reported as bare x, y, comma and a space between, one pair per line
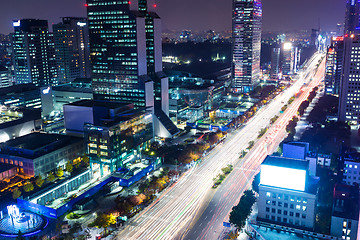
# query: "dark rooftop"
92, 103
36, 144
346, 201
5, 167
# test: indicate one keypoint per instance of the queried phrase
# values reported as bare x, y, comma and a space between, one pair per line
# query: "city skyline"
277, 14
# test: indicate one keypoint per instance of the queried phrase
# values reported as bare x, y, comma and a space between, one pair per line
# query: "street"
191, 209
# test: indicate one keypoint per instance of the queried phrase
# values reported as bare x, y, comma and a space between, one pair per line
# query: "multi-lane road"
191, 209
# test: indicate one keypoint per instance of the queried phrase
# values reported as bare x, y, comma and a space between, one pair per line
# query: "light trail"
181, 207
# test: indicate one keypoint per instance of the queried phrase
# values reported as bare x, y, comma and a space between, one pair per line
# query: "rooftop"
36, 144
92, 103
346, 201
5, 167
286, 162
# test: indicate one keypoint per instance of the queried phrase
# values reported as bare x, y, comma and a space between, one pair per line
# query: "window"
298, 207
290, 221
304, 208
279, 196
274, 195
305, 200
286, 197
291, 214
268, 202
297, 214
286, 205
279, 219
267, 209
292, 206
273, 218
292, 198
285, 220
298, 199
273, 210
267, 216
268, 194
274, 203
303, 216
279, 204
279, 211
285, 212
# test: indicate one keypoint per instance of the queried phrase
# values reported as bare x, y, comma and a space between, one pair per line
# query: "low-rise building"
16, 122
54, 98
287, 193
345, 213
39, 153
7, 171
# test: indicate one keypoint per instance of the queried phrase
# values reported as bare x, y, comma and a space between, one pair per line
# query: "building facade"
34, 53
126, 55
287, 194
246, 25
37, 154
72, 48
349, 99
5, 77
351, 16
275, 63
111, 146
334, 61
345, 212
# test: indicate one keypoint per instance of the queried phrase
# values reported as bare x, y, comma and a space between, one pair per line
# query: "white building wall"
287, 207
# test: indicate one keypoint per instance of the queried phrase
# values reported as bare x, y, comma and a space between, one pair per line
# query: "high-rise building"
351, 16
5, 77
334, 61
275, 63
291, 59
72, 49
246, 25
126, 54
349, 99
33, 53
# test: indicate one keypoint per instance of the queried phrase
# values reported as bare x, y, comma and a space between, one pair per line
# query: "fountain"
28, 223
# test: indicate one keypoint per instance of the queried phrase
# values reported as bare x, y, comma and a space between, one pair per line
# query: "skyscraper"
275, 62
291, 59
72, 49
351, 16
349, 99
33, 53
126, 54
334, 62
246, 25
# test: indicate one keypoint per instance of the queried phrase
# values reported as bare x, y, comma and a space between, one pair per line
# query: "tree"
69, 167
105, 220
39, 181
51, 177
28, 187
242, 211
20, 236
137, 200
256, 182
16, 193
60, 172
85, 159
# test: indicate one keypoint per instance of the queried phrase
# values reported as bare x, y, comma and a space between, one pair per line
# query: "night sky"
278, 15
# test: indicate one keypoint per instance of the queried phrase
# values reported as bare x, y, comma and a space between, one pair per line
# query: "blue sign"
226, 224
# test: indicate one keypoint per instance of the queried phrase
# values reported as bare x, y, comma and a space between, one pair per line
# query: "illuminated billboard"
281, 177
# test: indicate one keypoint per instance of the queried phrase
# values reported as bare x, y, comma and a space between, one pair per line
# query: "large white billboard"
283, 177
